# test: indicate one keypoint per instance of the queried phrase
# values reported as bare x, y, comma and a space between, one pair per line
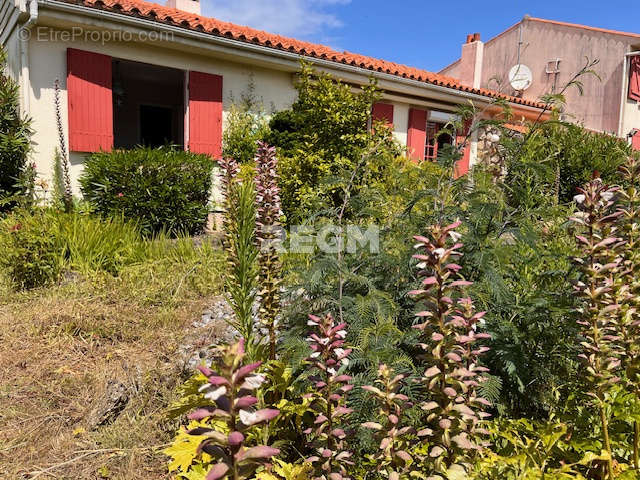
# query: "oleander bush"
15, 139
161, 189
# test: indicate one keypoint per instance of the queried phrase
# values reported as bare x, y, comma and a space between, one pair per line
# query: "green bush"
321, 140
246, 125
40, 244
31, 251
555, 158
15, 138
162, 189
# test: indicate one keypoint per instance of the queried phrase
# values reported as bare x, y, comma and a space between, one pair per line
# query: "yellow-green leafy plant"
327, 436
218, 439
451, 343
392, 459
287, 471
268, 237
599, 262
527, 450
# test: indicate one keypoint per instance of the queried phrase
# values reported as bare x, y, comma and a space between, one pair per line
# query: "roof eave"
290, 59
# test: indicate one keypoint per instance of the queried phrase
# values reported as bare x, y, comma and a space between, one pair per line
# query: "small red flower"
15, 227
120, 194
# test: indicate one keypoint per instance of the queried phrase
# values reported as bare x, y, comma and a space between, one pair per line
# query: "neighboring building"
555, 52
136, 72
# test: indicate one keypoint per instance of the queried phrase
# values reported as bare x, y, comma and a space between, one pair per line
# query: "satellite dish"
520, 77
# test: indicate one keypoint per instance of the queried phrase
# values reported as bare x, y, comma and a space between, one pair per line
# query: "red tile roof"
179, 18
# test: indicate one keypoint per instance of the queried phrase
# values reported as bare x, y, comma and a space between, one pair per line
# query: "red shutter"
89, 101
462, 165
382, 112
205, 114
635, 140
417, 134
634, 78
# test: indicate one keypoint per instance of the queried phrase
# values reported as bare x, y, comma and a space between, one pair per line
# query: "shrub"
163, 189
31, 255
39, 244
246, 125
555, 159
323, 137
15, 138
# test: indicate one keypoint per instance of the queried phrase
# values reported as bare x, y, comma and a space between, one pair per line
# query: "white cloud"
295, 18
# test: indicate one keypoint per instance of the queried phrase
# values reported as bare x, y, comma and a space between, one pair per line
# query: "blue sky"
426, 34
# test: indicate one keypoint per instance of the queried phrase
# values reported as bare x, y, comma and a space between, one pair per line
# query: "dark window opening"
148, 105
155, 126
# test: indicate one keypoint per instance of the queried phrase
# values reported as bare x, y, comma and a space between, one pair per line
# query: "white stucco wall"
48, 63
631, 118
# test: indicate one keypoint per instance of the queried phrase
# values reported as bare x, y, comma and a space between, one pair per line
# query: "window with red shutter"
90, 104
205, 114
634, 78
635, 140
416, 134
382, 112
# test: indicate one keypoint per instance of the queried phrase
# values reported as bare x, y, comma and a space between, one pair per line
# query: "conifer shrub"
162, 189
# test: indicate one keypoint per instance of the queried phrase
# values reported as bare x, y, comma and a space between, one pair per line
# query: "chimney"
191, 6
470, 69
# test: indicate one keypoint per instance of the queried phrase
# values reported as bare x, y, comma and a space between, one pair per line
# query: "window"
148, 105
431, 144
634, 78
435, 140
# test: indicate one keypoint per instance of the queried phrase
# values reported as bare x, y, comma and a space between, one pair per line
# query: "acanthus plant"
268, 238
392, 458
239, 243
453, 431
629, 316
327, 342
600, 264
67, 195
230, 416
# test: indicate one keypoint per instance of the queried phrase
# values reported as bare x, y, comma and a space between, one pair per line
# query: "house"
546, 54
136, 72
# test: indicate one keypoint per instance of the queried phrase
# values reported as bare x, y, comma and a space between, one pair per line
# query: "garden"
365, 316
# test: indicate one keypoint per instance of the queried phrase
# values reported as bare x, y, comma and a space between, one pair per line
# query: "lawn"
60, 347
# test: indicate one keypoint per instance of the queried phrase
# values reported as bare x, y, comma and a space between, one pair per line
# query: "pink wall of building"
545, 41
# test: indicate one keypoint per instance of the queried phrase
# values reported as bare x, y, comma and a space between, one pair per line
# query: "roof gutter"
24, 33
294, 57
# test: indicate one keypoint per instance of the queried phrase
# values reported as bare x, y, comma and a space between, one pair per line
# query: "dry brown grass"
58, 348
